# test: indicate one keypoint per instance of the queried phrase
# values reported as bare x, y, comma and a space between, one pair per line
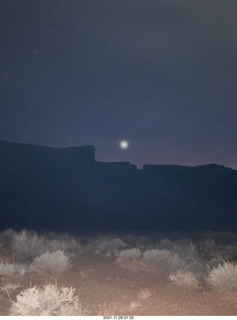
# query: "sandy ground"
105, 288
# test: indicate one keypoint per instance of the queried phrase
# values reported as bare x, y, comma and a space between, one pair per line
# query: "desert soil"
106, 288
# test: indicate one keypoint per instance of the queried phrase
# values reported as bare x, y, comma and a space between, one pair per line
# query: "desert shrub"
166, 244
213, 252
105, 245
224, 253
164, 259
130, 259
224, 277
130, 239
27, 245
207, 248
47, 301
9, 287
187, 251
61, 242
183, 247
184, 278
110, 246
218, 247
69, 245
129, 254
197, 267
10, 269
6, 237
54, 263
144, 243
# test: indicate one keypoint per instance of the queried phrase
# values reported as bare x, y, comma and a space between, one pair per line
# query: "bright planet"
124, 144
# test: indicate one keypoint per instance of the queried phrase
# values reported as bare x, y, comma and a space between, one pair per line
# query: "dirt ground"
106, 288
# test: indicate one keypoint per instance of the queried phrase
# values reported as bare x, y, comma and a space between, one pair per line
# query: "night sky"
161, 74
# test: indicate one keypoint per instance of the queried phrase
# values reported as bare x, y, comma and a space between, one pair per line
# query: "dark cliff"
66, 189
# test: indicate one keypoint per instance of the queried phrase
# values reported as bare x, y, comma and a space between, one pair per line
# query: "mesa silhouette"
66, 189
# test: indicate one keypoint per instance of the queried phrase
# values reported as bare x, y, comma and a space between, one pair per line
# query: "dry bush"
10, 269
130, 239
184, 278
224, 277
218, 247
143, 243
131, 259
186, 250
164, 260
6, 237
70, 245
129, 255
27, 245
62, 241
111, 247
47, 301
9, 287
108, 246
166, 244
54, 263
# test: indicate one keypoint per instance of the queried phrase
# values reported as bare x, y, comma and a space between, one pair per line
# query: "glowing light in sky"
124, 144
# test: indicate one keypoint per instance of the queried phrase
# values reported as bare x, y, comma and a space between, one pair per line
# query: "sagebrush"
185, 278
224, 277
47, 301
54, 263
